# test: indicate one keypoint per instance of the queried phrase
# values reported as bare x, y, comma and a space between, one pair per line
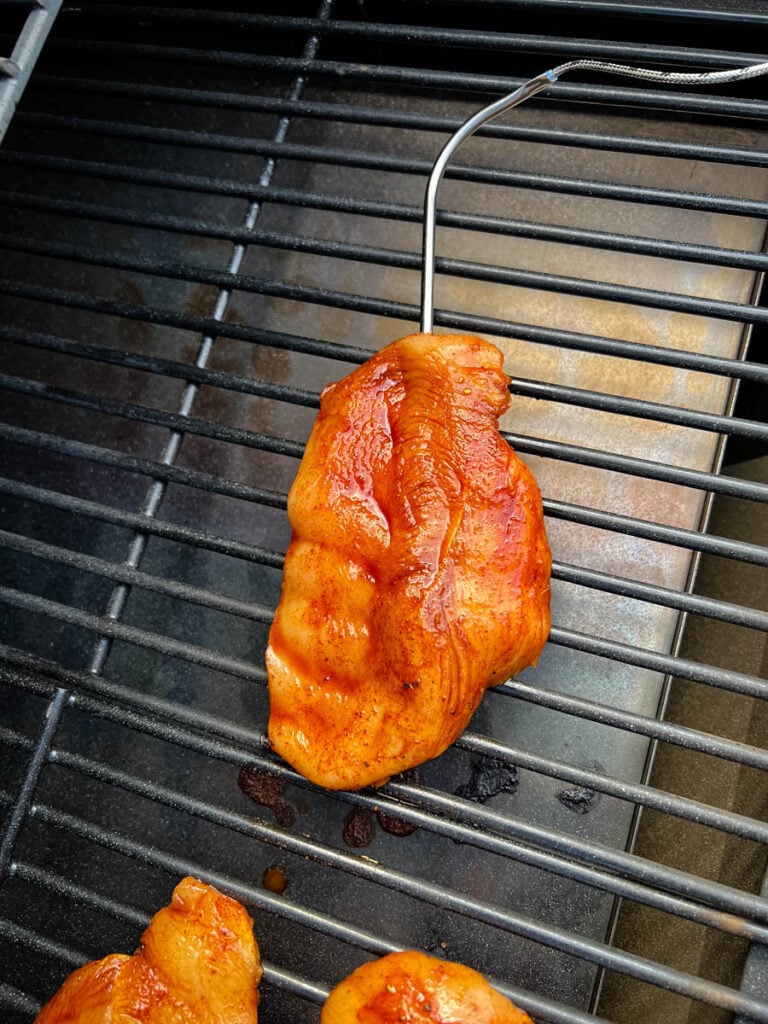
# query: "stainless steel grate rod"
723, 611
425, 892
563, 339
432, 35
689, 252
720, 424
422, 78
731, 681
176, 866
690, 539
385, 162
396, 118
99, 695
24, 51
461, 826
558, 283
697, 479
578, 946
292, 197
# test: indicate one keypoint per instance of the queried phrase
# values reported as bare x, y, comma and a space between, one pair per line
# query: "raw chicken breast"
415, 988
418, 571
198, 963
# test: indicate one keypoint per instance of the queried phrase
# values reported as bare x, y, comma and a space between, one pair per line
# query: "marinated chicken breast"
418, 570
413, 988
198, 963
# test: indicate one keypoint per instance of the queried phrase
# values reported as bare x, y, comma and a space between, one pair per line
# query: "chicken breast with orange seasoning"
198, 963
418, 570
414, 988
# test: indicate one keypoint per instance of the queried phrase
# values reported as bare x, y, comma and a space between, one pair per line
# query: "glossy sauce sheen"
198, 963
413, 988
418, 571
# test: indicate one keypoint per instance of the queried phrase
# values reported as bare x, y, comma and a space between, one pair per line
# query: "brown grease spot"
275, 879
358, 827
395, 826
267, 790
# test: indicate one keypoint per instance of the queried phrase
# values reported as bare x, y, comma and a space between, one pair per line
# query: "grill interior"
207, 216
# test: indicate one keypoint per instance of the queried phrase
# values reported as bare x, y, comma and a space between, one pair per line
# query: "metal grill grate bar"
654, 728
388, 258
394, 118
38, 756
590, 578
553, 449
421, 78
72, 958
342, 300
733, 682
16, 1001
252, 553
395, 258
721, 546
115, 629
118, 572
352, 864
24, 50
41, 944
158, 527
629, 9
676, 199
108, 693
683, 668
361, 867
437, 36
218, 485
620, 243
640, 794
529, 388
638, 467
391, 211
172, 420
144, 467
120, 911
488, 837
446, 811
279, 392
562, 339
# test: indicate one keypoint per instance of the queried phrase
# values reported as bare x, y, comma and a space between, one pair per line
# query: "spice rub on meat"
419, 989
418, 570
198, 963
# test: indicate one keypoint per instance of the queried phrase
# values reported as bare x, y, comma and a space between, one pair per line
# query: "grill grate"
27, 24
183, 268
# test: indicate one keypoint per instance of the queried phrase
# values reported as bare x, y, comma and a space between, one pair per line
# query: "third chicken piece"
418, 989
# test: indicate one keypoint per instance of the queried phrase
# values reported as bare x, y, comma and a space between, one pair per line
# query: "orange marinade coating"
413, 988
418, 570
198, 963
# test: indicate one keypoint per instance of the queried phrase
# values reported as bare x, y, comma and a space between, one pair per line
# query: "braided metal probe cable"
524, 92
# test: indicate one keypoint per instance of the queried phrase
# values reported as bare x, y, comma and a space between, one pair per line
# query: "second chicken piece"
198, 963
